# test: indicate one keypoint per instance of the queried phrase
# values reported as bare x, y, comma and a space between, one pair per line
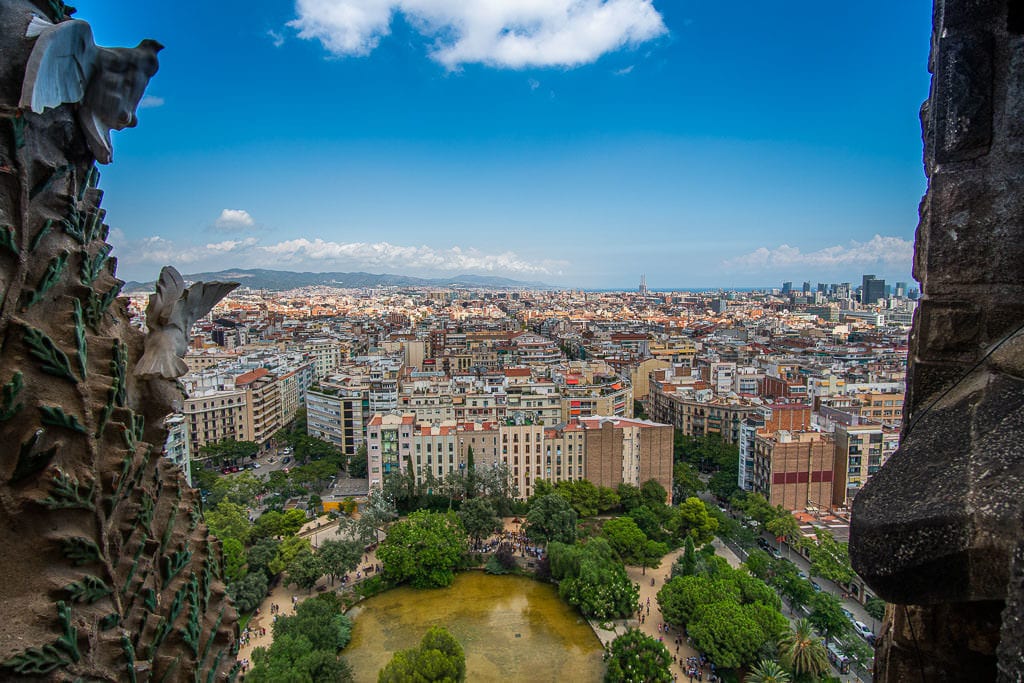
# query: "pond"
512, 629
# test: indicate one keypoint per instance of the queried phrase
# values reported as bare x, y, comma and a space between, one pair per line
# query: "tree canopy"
306, 645
439, 657
635, 656
592, 579
551, 518
423, 549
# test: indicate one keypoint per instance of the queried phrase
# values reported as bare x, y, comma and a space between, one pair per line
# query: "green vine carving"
54, 361
67, 493
8, 396
106, 412
168, 530
122, 480
73, 226
53, 415
45, 184
29, 460
50, 277
41, 234
145, 516
190, 634
92, 266
213, 635
88, 590
80, 340
7, 239
211, 676
195, 514
98, 305
171, 668
149, 599
174, 563
80, 550
18, 124
119, 369
110, 621
129, 654
61, 653
162, 629
133, 568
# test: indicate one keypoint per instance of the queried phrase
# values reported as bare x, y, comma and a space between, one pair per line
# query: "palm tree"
768, 671
803, 652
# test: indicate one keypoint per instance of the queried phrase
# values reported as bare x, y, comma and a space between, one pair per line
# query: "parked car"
764, 544
863, 631
848, 613
816, 586
774, 552
255, 465
285, 460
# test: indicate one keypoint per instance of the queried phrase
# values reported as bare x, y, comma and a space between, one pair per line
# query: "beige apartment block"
796, 470
627, 451
263, 403
214, 415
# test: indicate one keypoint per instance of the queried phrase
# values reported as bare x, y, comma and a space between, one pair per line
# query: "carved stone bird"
67, 67
171, 312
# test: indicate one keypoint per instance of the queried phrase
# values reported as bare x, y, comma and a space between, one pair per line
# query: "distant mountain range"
279, 280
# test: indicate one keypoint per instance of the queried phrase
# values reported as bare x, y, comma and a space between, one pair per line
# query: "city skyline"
702, 148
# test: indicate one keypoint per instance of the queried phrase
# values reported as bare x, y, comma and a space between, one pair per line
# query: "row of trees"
306, 645
727, 613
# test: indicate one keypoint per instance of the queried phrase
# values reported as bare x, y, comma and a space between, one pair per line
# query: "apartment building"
796, 470
388, 445
335, 414
698, 412
619, 450
861, 450
176, 447
326, 354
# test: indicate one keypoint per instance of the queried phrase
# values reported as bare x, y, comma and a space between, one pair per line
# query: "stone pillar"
936, 530
107, 572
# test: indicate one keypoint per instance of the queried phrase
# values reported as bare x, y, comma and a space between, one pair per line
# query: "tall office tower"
787, 287
807, 288
872, 290
643, 285
901, 289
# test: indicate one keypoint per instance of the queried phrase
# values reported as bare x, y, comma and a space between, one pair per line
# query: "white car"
863, 631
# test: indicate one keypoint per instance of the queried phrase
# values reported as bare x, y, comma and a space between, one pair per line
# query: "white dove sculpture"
170, 314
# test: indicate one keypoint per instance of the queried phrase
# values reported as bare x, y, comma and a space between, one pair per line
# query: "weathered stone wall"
938, 528
106, 571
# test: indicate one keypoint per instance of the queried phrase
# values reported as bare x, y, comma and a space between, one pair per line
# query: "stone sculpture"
169, 316
939, 531
67, 67
107, 571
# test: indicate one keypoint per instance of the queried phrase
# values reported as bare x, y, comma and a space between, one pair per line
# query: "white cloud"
321, 255
234, 219
276, 38
533, 83
501, 33
893, 251
624, 71
151, 102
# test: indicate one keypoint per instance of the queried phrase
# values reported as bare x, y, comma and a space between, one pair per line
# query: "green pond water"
512, 629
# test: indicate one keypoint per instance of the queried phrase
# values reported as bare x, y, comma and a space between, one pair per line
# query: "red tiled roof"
252, 376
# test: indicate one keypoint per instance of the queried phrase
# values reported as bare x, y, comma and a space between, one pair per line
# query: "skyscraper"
872, 290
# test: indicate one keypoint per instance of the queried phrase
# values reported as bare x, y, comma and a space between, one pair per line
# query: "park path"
285, 598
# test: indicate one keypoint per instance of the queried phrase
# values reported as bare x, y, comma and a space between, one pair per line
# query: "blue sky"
574, 142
